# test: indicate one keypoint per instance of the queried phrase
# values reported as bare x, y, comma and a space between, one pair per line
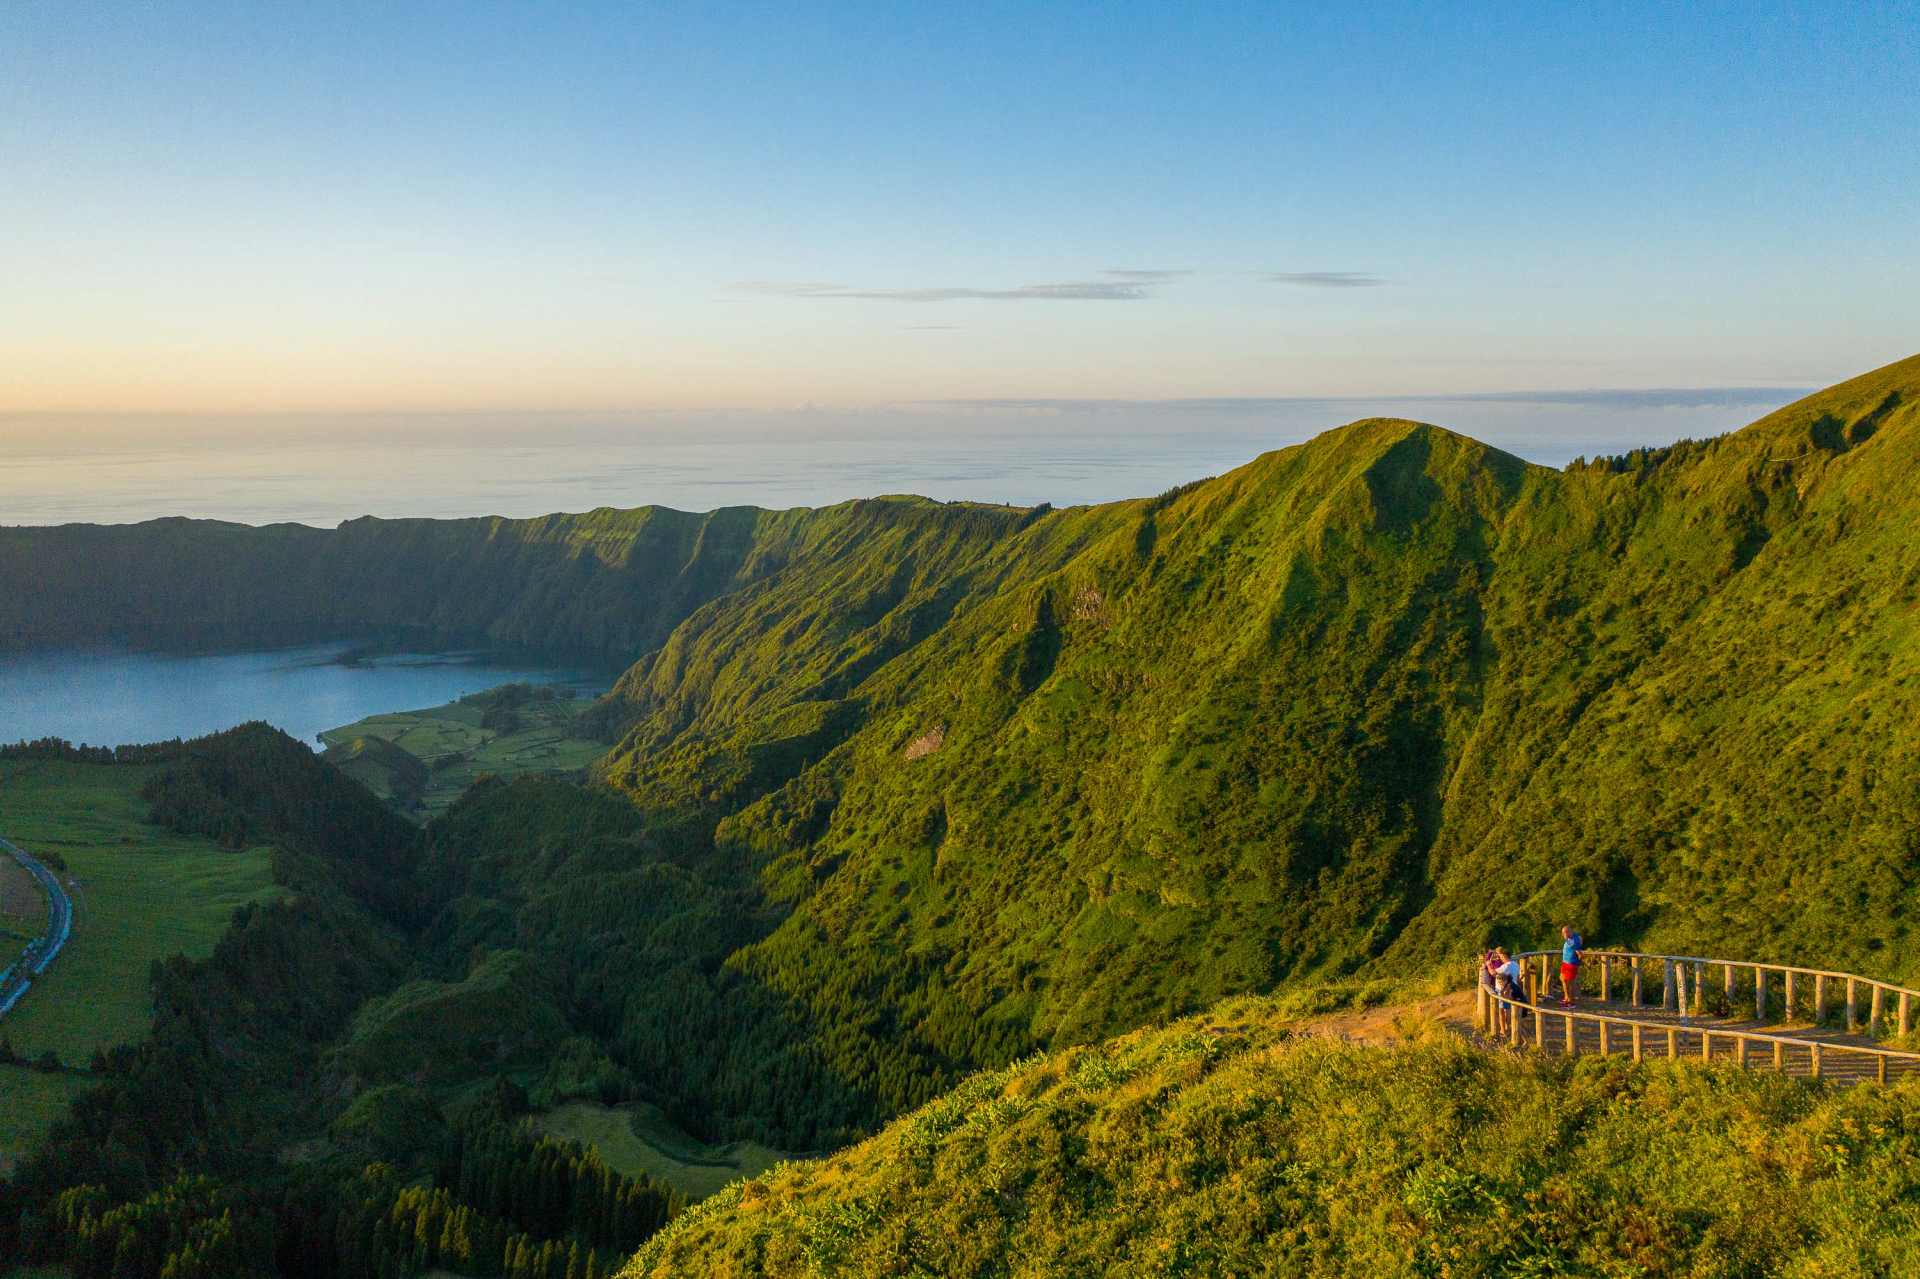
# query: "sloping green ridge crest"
1352, 708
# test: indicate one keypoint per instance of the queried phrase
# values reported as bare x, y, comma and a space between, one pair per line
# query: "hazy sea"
321, 470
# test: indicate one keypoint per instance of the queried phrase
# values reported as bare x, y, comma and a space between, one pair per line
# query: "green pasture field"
29, 1103
639, 1139
452, 738
140, 893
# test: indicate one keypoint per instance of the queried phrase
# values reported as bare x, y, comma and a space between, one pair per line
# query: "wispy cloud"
1323, 279
1146, 277
1114, 286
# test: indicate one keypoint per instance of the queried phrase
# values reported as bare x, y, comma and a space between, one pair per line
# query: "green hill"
383, 767
1352, 709
613, 582
1241, 1149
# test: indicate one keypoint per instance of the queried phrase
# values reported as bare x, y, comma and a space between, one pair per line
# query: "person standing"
1571, 944
1506, 983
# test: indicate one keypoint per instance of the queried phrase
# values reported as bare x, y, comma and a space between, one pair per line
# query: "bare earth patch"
23, 903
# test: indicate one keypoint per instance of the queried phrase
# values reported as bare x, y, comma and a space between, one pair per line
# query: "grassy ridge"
1351, 709
607, 581
1223, 1146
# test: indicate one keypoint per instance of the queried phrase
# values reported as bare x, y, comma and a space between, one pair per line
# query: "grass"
1234, 1144
452, 742
639, 1140
29, 1103
140, 893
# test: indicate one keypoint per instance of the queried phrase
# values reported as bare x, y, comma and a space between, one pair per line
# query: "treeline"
64, 751
502, 1203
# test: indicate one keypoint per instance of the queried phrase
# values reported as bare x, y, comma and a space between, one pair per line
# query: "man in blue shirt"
1570, 947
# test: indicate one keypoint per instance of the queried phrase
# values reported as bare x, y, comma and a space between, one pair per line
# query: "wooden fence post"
1539, 1030
1637, 1047
1740, 1051
1760, 995
1787, 1012
1573, 1049
1700, 988
1729, 976
1875, 1018
1882, 1059
1666, 984
1906, 1014
1635, 961
1816, 1061
1853, 1005
1513, 1023
1603, 1038
1819, 997
1706, 1046
1480, 1008
1779, 1058
1673, 1043
1606, 980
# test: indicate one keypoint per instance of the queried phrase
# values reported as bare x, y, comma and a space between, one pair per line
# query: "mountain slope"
617, 582
1354, 708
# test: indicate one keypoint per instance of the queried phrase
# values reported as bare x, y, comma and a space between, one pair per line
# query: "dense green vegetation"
1355, 708
421, 761
611, 582
234, 1138
1225, 1146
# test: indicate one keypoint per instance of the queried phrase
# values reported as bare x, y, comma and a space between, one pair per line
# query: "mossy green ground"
452, 743
639, 1140
140, 893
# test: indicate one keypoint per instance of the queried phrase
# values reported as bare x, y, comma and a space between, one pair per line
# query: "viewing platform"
1805, 1022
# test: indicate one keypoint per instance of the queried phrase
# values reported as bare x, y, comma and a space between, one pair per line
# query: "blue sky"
269, 208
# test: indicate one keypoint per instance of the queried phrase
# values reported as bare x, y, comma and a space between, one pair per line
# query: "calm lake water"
105, 698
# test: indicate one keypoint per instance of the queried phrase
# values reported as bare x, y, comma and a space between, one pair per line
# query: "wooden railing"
1637, 1033
1683, 984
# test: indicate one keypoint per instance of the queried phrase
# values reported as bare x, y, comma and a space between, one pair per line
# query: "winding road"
33, 960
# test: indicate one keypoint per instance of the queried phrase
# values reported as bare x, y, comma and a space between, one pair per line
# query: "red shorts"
1569, 973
